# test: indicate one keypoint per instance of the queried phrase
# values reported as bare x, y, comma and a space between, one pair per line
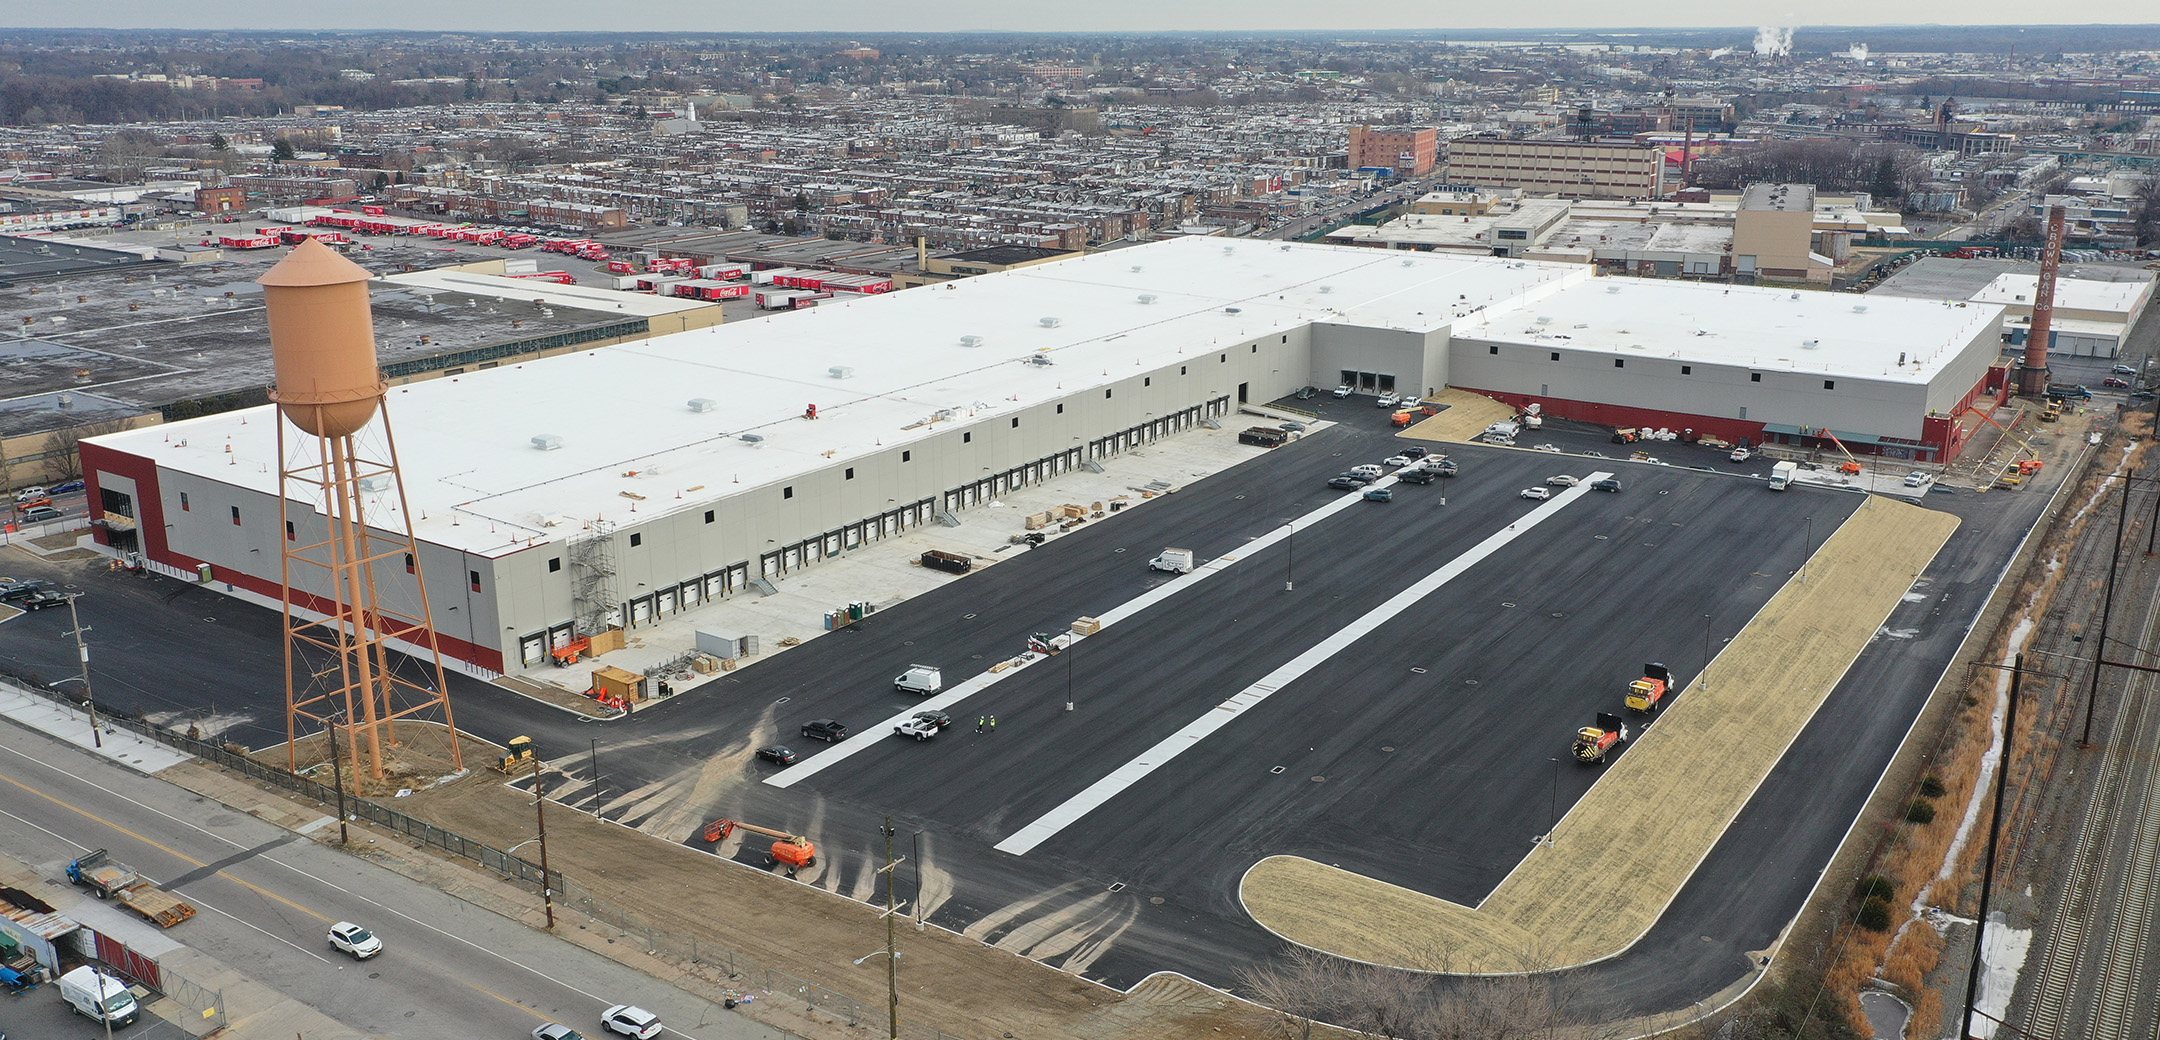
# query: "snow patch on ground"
2002, 956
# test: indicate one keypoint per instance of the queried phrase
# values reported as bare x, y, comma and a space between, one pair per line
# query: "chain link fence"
737, 975
207, 1004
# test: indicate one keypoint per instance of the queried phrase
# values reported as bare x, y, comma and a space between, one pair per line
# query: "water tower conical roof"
312, 263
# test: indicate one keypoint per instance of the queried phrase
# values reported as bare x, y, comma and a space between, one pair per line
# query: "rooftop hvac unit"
1811, 344
1409, 263
840, 372
1147, 297
1041, 359
1544, 319
752, 438
971, 341
547, 442
1327, 288
1612, 288
1859, 308
1136, 268
1049, 323
375, 483
704, 404
1233, 310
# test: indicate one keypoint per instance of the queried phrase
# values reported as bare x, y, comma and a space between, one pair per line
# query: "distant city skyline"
1102, 16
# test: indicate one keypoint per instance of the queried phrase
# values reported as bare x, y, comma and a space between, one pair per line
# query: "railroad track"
2094, 979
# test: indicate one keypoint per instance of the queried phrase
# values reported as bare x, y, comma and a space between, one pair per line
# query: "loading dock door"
532, 650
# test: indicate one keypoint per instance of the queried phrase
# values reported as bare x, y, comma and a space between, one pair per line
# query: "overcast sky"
1036, 15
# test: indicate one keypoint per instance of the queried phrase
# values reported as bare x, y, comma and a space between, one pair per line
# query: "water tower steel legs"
358, 629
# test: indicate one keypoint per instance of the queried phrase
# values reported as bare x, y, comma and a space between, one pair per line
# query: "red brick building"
1410, 150
221, 200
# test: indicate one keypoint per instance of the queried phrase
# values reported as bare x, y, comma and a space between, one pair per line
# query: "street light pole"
1290, 564
596, 775
1072, 649
1807, 546
1553, 817
82, 651
1706, 653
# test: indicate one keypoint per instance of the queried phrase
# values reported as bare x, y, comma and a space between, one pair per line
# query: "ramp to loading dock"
1466, 416
1625, 854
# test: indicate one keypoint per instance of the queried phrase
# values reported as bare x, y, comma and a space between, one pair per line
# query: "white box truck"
1176, 561
1783, 474
98, 996
920, 679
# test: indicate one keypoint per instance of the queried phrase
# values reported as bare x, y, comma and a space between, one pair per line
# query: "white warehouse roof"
2125, 298
629, 438
1743, 326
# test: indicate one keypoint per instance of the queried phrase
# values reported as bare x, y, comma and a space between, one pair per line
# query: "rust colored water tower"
342, 503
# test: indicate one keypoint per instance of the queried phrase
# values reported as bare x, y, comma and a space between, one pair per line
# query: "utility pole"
2107, 608
82, 651
596, 775
547, 891
892, 939
337, 776
1987, 870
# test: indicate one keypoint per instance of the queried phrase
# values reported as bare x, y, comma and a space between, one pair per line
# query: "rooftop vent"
840, 372
1327, 289
1049, 323
1859, 308
1796, 296
704, 404
971, 341
1811, 344
1147, 297
547, 442
752, 438
1409, 263
1544, 319
1612, 288
375, 483
1041, 359
1233, 310
1227, 250
1136, 268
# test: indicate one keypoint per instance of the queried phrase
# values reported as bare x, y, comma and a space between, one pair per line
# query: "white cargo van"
1176, 561
98, 996
919, 679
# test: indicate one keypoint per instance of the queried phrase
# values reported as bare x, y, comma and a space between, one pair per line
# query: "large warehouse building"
618, 484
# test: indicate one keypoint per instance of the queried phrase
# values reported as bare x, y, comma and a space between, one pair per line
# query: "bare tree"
62, 448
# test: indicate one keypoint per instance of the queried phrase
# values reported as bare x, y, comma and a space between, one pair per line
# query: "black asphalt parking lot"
1424, 754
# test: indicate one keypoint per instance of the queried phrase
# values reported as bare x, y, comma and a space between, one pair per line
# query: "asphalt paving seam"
1070, 811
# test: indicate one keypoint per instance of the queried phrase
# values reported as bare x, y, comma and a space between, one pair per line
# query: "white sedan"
1562, 480
1397, 461
1537, 493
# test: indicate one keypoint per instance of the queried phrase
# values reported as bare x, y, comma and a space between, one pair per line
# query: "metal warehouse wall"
752, 528
1676, 384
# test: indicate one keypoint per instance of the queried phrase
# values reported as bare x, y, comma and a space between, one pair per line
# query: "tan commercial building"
1409, 150
1570, 169
1773, 231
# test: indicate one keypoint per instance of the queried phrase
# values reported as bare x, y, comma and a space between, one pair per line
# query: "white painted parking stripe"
1049, 824
882, 731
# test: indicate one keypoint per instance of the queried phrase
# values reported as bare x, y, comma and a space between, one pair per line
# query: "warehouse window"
1106, 395
1286, 339
1687, 370
473, 578
1256, 348
851, 469
1754, 377
708, 516
967, 438
787, 492
554, 563
183, 502
1555, 355
1619, 362
1829, 384
1147, 381
409, 564
290, 536
236, 516
1222, 359
636, 540
1181, 370
1492, 350
1061, 409
1016, 422
907, 456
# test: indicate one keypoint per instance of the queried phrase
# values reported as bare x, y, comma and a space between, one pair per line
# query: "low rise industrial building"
557, 498
1569, 169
